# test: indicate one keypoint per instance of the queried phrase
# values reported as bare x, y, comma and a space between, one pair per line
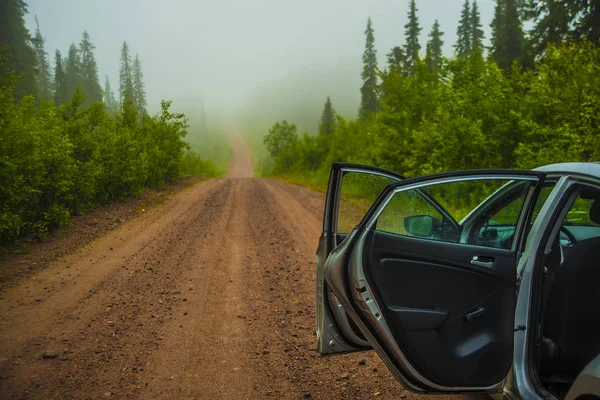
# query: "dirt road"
208, 296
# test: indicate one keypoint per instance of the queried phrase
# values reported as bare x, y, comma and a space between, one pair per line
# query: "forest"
69, 144
530, 98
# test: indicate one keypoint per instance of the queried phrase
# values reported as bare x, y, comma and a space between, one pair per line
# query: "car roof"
576, 168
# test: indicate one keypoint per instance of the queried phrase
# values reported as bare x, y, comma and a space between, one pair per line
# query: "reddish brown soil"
209, 295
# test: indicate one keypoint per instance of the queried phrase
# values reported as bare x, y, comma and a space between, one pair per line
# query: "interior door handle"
480, 312
483, 261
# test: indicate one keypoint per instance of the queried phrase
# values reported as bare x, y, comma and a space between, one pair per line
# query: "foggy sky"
225, 50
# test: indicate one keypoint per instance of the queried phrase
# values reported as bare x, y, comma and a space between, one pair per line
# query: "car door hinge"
520, 328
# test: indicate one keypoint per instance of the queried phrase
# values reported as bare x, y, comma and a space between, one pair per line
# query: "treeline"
529, 99
66, 144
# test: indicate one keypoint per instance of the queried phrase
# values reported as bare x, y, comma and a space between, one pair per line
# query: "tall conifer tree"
464, 32
44, 77
369, 101
125, 76
89, 71
412, 30
434, 47
139, 89
328, 123
61, 93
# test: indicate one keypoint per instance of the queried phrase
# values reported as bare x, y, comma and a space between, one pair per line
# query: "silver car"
470, 281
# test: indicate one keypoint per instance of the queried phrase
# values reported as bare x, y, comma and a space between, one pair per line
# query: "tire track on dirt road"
209, 296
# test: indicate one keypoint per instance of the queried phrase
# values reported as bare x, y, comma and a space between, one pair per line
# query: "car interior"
569, 325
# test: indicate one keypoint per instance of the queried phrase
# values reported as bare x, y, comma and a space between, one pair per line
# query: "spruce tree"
73, 70
497, 25
587, 19
328, 122
552, 21
477, 34
411, 34
434, 47
464, 32
89, 71
61, 94
44, 79
15, 43
396, 59
139, 90
125, 76
369, 102
508, 42
109, 97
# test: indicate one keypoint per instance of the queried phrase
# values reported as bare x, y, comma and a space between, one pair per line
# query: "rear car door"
352, 189
429, 276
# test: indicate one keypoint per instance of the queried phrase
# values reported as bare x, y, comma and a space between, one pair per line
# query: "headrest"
595, 212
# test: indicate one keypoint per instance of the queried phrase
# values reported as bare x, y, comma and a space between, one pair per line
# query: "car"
469, 281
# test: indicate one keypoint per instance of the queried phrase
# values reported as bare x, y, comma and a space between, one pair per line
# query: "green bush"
57, 161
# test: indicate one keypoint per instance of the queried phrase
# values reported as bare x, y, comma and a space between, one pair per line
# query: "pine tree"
139, 90
15, 43
411, 34
496, 25
588, 21
44, 79
125, 76
552, 20
109, 97
73, 70
508, 44
369, 102
477, 34
328, 121
464, 32
396, 59
89, 71
61, 93
434, 47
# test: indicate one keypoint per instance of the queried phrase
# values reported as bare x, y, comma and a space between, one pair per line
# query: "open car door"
429, 276
352, 190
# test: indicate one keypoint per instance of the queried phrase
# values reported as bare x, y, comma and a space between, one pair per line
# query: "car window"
581, 223
432, 212
541, 200
358, 192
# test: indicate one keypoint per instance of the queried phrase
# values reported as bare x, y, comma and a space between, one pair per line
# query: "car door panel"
439, 313
434, 328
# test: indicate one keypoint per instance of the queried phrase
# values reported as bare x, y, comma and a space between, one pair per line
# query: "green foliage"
368, 91
560, 118
57, 161
16, 51
467, 115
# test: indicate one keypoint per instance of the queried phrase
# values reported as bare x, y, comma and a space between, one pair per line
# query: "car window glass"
581, 222
432, 212
541, 200
358, 192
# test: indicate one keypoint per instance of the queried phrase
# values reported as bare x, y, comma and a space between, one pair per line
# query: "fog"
269, 55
